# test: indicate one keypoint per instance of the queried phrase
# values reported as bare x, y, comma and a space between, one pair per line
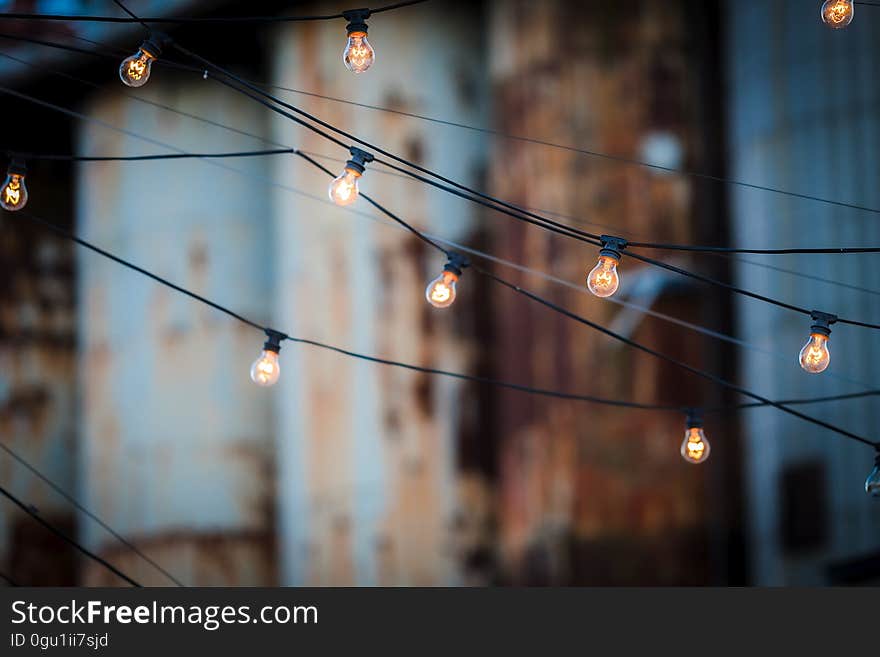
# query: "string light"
14, 194
440, 292
604, 280
695, 447
837, 14
344, 189
358, 54
135, 70
815, 357
872, 483
266, 369
273, 345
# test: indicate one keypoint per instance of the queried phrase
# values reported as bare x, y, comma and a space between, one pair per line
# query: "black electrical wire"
139, 158
448, 181
60, 534
6, 578
741, 291
701, 373
797, 402
632, 343
426, 370
125, 263
488, 131
557, 227
74, 18
159, 279
566, 231
245, 133
73, 501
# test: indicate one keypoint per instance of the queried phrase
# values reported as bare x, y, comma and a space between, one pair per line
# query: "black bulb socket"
16, 168
273, 340
456, 263
822, 322
359, 158
357, 20
612, 247
154, 44
694, 418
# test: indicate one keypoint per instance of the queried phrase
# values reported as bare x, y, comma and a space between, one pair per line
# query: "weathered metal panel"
176, 440
804, 104
591, 494
367, 482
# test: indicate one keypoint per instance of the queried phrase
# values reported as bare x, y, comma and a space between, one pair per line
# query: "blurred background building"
136, 400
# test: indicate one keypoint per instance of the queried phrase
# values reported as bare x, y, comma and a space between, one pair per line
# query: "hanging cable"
518, 212
140, 158
60, 534
91, 515
532, 140
275, 339
8, 579
263, 139
83, 117
559, 227
76, 18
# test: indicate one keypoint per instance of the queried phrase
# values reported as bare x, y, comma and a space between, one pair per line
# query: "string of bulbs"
488, 257
266, 369
139, 99
602, 281
497, 133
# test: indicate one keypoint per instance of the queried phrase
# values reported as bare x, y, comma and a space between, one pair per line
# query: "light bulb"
266, 370
358, 54
135, 70
872, 483
440, 292
695, 448
814, 356
604, 280
344, 189
14, 194
837, 14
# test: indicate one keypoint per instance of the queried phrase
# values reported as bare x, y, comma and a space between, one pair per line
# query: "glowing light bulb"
14, 194
872, 483
695, 448
266, 369
837, 14
358, 54
135, 70
440, 292
815, 357
344, 189
604, 280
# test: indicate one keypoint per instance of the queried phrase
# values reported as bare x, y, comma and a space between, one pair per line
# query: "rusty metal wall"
176, 442
592, 495
804, 117
366, 454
